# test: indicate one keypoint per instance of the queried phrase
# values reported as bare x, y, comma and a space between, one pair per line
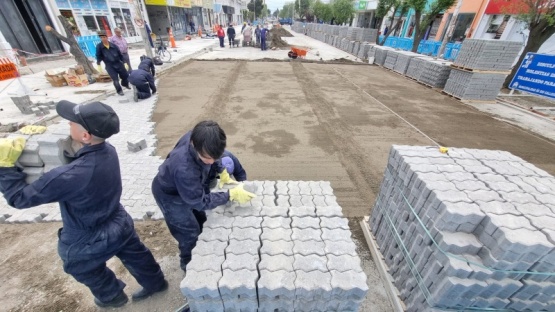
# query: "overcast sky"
276, 4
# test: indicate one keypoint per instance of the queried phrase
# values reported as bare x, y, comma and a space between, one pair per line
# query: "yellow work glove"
126, 66
32, 129
238, 194
99, 68
10, 150
226, 179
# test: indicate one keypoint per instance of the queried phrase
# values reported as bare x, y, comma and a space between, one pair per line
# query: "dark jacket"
238, 173
148, 65
257, 31
264, 33
88, 189
185, 174
141, 77
110, 55
230, 32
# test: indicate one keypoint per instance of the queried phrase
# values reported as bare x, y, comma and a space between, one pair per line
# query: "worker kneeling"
142, 79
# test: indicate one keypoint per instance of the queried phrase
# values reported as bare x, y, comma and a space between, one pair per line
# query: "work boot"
118, 301
143, 293
127, 87
135, 94
120, 92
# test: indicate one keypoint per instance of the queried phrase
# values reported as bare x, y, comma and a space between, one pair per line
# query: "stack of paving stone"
468, 230
353, 33
391, 59
414, 70
467, 85
435, 73
290, 250
363, 50
403, 60
380, 54
367, 35
491, 55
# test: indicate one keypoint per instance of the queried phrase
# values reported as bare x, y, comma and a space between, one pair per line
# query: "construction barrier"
427, 47
8, 70
88, 44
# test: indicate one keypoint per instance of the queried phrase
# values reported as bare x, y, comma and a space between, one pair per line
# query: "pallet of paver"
368, 35
391, 59
435, 73
403, 60
352, 33
290, 250
493, 55
363, 50
380, 54
467, 230
416, 64
478, 86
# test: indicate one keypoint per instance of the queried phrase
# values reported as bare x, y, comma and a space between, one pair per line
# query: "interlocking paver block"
217, 221
344, 263
239, 247
349, 285
310, 263
276, 263
309, 247
334, 223
275, 211
276, 285
281, 188
246, 222
339, 248
305, 222
335, 234
245, 233
276, 222
313, 284
244, 261
220, 234
306, 234
238, 284
276, 234
215, 248
302, 211
201, 285
329, 211
206, 263
273, 248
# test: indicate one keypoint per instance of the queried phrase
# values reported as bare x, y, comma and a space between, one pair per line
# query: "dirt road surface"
285, 121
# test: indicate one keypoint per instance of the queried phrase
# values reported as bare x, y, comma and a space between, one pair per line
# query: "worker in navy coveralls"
88, 189
179, 186
114, 63
143, 80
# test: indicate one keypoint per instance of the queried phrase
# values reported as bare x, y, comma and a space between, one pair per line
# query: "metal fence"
427, 47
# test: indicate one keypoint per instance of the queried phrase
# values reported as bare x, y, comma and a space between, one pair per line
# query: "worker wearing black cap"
114, 62
95, 225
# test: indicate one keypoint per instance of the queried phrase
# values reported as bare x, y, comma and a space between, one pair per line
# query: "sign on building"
536, 75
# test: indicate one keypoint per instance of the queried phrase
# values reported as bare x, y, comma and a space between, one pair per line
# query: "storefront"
229, 12
365, 14
169, 13
500, 21
123, 14
207, 14
89, 16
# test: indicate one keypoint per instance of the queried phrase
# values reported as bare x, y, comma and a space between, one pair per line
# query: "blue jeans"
263, 44
221, 42
184, 223
84, 255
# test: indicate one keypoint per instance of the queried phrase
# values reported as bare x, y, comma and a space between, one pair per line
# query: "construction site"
385, 180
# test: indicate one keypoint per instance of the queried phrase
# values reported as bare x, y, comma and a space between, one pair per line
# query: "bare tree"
398, 6
431, 11
74, 48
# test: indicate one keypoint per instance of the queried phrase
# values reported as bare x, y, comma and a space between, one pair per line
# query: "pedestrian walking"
231, 35
179, 186
121, 43
142, 79
263, 35
96, 227
221, 36
257, 34
247, 34
113, 62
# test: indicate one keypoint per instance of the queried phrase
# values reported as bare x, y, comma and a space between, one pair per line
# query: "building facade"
365, 13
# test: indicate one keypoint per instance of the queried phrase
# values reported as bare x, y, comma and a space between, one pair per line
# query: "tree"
323, 11
384, 6
74, 48
539, 16
286, 11
305, 9
256, 6
430, 11
343, 11
401, 7
276, 13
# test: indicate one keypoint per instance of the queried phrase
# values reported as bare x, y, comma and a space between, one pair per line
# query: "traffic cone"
200, 32
172, 39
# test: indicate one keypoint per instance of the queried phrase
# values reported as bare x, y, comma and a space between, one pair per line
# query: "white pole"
450, 29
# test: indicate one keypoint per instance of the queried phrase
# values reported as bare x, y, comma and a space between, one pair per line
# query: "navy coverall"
263, 35
95, 225
179, 191
113, 61
231, 35
238, 173
143, 80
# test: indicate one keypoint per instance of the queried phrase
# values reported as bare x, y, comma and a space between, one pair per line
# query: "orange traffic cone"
200, 32
172, 39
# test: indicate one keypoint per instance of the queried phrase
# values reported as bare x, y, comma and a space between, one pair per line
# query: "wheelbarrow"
297, 52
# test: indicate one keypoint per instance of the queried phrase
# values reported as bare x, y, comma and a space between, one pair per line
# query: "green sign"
362, 5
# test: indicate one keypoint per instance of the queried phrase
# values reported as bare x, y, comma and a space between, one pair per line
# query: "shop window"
104, 25
90, 22
495, 22
129, 23
118, 17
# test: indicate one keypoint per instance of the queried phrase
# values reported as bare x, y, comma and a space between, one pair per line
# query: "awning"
512, 7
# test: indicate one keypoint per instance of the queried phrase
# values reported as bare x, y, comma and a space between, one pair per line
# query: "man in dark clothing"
179, 185
225, 168
257, 34
263, 34
231, 35
113, 61
95, 225
142, 80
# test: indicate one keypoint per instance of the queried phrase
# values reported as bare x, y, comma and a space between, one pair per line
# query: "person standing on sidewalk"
257, 34
113, 62
179, 185
221, 36
96, 227
121, 43
263, 35
231, 35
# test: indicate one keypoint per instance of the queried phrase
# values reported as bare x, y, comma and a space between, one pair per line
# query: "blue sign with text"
536, 75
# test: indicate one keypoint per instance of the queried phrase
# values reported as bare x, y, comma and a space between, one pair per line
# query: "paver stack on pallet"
416, 65
468, 230
353, 40
435, 73
481, 68
291, 250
